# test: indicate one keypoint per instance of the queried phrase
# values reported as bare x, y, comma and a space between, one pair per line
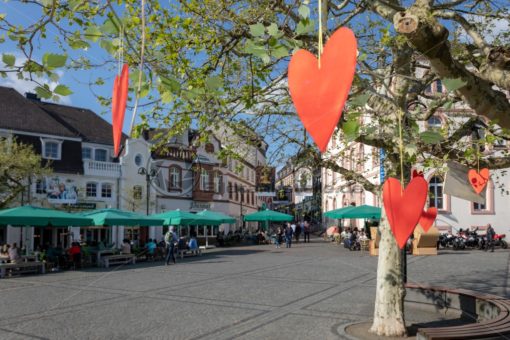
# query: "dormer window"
86, 153
100, 155
51, 149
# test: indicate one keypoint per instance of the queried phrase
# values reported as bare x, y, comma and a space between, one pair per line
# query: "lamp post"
241, 191
149, 175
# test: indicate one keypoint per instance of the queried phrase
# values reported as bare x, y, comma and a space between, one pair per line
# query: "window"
106, 190
230, 190
204, 180
86, 153
217, 182
91, 190
40, 186
100, 155
439, 86
137, 192
138, 160
436, 192
174, 178
500, 143
209, 148
51, 149
236, 189
480, 206
434, 122
334, 203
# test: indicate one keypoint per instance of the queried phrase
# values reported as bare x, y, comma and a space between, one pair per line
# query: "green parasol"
41, 217
112, 217
178, 217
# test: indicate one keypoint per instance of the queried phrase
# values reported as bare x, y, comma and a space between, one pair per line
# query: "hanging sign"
119, 101
478, 180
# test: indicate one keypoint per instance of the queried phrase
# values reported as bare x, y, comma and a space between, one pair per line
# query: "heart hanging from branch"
404, 207
427, 218
478, 180
319, 94
119, 101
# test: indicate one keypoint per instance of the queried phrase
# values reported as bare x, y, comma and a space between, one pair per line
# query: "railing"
105, 169
176, 153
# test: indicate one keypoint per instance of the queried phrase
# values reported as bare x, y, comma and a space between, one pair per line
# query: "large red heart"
478, 180
427, 218
319, 94
404, 207
119, 100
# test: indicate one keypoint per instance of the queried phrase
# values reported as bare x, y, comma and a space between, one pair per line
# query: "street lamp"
149, 175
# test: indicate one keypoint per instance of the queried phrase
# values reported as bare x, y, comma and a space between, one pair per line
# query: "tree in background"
223, 62
18, 164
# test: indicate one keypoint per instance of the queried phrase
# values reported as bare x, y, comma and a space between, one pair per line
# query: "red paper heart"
427, 218
416, 173
478, 180
119, 100
404, 207
319, 94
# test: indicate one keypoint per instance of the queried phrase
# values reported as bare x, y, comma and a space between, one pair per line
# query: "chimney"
32, 96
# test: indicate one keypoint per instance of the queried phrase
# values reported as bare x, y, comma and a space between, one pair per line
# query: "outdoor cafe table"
100, 253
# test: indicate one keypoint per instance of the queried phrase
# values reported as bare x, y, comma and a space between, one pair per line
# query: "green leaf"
272, 30
359, 100
453, 84
62, 90
93, 33
8, 59
170, 83
76, 43
304, 11
280, 52
107, 45
214, 83
52, 60
257, 30
305, 26
351, 130
252, 48
43, 92
111, 26
431, 137
167, 97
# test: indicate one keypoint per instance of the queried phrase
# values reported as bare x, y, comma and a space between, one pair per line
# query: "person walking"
297, 232
306, 231
170, 241
490, 237
279, 237
288, 236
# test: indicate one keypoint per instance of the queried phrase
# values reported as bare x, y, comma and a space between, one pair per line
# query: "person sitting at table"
4, 253
126, 247
13, 253
151, 248
75, 254
193, 244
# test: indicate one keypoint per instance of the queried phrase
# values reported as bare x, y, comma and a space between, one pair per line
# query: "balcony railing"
175, 153
104, 169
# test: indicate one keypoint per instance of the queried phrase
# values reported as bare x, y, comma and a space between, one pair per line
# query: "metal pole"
147, 179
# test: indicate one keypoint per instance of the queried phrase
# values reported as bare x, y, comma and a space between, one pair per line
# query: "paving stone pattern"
256, 292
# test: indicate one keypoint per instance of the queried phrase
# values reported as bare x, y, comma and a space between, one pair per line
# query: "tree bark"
390, 291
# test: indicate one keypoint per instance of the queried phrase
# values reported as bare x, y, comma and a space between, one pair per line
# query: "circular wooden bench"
489, 315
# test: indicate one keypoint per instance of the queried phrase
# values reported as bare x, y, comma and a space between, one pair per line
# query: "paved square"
256, 292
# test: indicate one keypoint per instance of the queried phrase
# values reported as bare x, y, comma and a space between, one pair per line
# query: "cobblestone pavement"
256, 292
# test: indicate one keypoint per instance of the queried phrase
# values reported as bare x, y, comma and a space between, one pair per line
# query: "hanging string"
140, 71
400, 113
320, 43
120, 61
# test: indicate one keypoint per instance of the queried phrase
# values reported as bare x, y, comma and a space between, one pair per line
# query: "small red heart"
427, 218
119, 101
404, 207
478, 180
319, 94
416, 173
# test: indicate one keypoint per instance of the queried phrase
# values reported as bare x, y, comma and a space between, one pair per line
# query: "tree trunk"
390, 291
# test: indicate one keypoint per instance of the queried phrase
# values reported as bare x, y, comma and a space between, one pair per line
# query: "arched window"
434, 122
436, 198
174, 178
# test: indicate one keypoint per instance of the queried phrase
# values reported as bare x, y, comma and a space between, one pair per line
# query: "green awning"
339, 213
178, 217
113, 217
363, 211
41, 217
268, 216
218, 217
